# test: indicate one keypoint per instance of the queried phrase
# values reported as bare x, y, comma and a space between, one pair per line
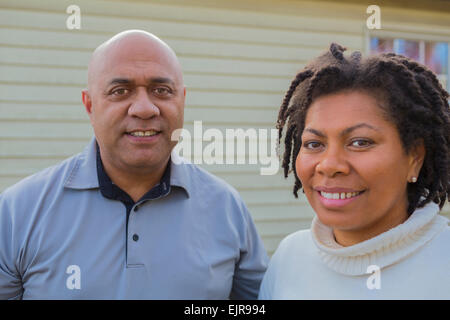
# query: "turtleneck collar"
383, 250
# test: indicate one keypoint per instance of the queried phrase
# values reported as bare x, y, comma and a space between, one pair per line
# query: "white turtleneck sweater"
413, 260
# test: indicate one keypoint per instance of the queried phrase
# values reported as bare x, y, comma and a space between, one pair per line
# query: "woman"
368, 141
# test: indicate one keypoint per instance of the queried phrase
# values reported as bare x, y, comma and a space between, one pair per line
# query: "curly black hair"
414, 100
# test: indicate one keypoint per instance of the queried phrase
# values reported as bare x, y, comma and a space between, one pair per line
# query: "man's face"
135, 101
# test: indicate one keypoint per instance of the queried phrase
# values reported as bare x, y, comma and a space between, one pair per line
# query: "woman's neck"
351, 237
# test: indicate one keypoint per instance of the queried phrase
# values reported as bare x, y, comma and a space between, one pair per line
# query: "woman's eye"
312, 145
361, 143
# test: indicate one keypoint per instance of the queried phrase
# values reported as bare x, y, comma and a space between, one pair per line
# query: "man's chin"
145, 163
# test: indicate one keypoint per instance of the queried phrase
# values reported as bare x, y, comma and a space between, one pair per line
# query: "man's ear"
417, 157
87, 101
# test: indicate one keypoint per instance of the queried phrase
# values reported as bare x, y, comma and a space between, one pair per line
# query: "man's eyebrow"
119, 81
157, 80
161, 80
344, 132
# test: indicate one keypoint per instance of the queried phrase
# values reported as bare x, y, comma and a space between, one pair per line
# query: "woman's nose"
332, 163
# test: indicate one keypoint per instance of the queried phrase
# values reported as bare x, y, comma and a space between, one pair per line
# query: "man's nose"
142, 106
333, 162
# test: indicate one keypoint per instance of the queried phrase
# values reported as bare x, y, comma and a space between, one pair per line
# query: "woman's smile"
337, 197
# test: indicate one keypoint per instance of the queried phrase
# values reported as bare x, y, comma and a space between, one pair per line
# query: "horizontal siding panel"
86, 41
34, 75
249, 67
281, 212
29, 164
39, 148
38, 130
25, 167
239, 82
39, 93
46, 93
76, 113
225, 169
42, 112
78, 78
82, 130
269, 196
312, 31
266, 116
227, 99
80, 60
63, 39
255, 181
281, 228
44, 57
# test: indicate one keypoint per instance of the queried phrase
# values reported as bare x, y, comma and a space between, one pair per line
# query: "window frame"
420, 37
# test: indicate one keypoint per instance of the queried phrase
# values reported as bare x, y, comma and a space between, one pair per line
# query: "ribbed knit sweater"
409, 261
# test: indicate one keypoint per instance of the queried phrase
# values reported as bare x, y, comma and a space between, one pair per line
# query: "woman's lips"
338, 199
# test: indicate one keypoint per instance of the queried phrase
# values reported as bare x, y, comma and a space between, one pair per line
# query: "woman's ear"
417, 157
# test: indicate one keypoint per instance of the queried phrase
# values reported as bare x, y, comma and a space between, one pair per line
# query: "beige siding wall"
237, 63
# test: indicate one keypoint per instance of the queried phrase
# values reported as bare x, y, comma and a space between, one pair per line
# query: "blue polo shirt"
61, 238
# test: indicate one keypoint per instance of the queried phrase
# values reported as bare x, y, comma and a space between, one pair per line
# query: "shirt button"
135, 237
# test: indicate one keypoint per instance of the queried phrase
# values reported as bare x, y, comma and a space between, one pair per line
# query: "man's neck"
135, 183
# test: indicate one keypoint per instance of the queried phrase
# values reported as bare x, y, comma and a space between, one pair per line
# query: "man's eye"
162, 91
120, 92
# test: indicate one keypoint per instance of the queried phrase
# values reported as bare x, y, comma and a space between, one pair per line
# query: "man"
127, 218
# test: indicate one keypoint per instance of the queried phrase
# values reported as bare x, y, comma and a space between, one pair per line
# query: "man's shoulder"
204, 181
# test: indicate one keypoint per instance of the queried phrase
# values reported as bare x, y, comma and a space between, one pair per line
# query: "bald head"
137, 44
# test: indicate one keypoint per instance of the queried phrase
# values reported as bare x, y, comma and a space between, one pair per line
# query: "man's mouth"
147, 133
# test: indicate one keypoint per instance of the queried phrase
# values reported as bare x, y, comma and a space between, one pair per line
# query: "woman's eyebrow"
359, 125
344, 132
315, 132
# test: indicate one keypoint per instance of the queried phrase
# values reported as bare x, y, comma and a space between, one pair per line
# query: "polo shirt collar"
180, 173
83, 175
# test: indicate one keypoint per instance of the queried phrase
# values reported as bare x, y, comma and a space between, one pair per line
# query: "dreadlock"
415, 100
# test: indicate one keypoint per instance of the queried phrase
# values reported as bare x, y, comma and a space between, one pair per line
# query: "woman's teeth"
341, 195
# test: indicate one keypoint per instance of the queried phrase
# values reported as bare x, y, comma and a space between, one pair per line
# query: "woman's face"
353, 168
